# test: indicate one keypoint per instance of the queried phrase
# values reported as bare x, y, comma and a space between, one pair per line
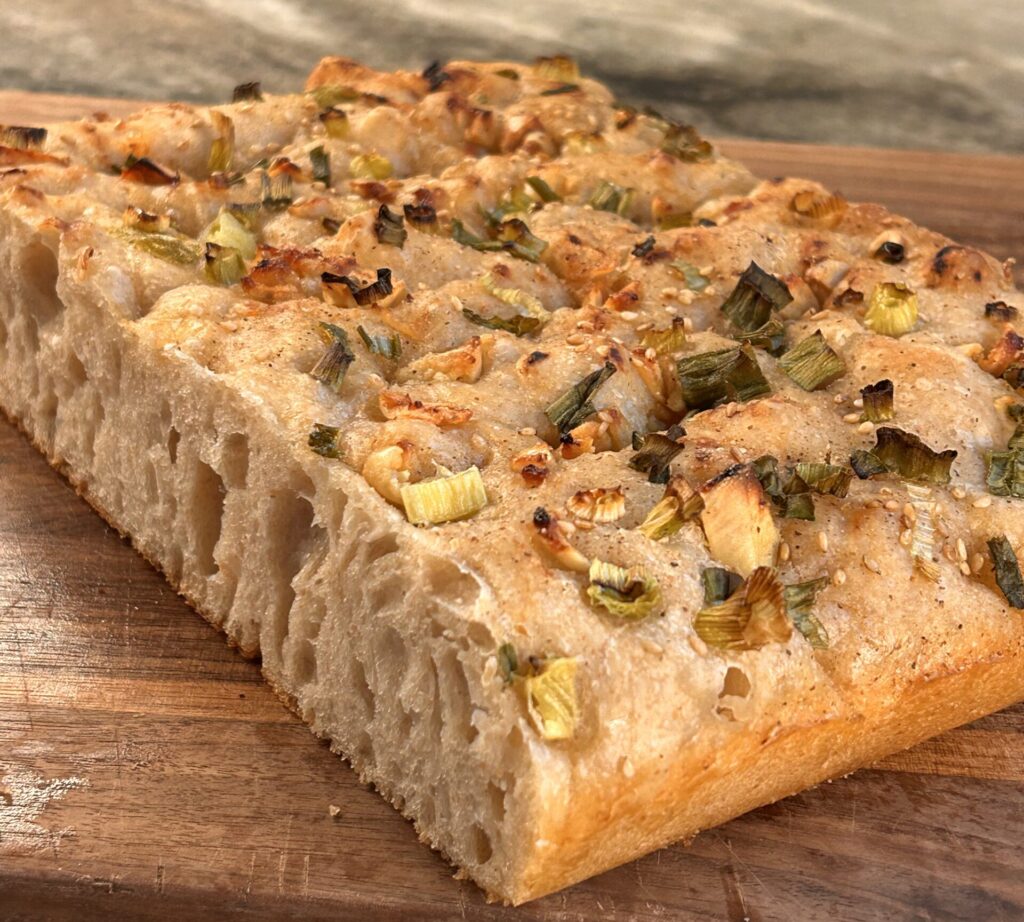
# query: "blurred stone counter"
939, 74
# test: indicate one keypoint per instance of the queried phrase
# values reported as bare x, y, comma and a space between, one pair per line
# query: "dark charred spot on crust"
574, 240
534, 357
1000, 310
706, 222
534, 474
615, 357
940, 262
435, 75
502, 270
541, 517
731, 471
566, 438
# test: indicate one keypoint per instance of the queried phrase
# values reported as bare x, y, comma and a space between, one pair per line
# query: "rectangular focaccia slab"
560, 269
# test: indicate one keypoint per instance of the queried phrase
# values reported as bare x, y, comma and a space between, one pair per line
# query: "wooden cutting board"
146, 772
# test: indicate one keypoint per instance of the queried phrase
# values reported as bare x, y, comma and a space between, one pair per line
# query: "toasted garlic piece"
598, 505
387, 469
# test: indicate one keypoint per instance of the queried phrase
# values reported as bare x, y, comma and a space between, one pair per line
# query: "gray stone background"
941, 74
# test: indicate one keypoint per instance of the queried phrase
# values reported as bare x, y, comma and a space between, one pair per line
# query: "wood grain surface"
146, 771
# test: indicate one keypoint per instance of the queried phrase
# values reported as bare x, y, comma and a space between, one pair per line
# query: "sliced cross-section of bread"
583, 491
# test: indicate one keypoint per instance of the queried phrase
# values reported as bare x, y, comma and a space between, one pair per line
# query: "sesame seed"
669, 292
671, 311
851, 418
909, 512
737, 453
892, 505
527, 430
866, 426
784, 551
872, 565
950, 552
961, 549
575, 339
859, 403
699, 647
982, 502
822, 541
965, 568
839, 398
650, 354
977, 562
628, 315
627, 768
688, 324
731, 409
958, 492
906, 537
838, 578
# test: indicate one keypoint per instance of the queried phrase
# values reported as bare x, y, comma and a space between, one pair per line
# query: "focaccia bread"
582, 490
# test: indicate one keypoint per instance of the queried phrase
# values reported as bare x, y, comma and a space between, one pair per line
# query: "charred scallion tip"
222, 150
690, 274
799, 599
827, 479
813, 363
330, 225
1007, 570
756, 295
892, 310
576, 404
435, 75
21, 137
320, 164
722, 375
1016, 413
508, 73
891, 252
508, 662
516, 238
423, 217
610, 197
905, 454
557, 67
551, 701
511, 236
685, 142
331, 366
371, 166
1000, 310
1005, 474
332, 94
145, 171
644, 247
771, 337
654, 453
754, 615
719, 584
276, 192
324, 440
167, 246
668, 341
878, 401
387, 345
247, 91
224, 265
865, 464
446, 499
335, 122
628, 594
519, 325
543, 191
679, 504
390, 227
343, 291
